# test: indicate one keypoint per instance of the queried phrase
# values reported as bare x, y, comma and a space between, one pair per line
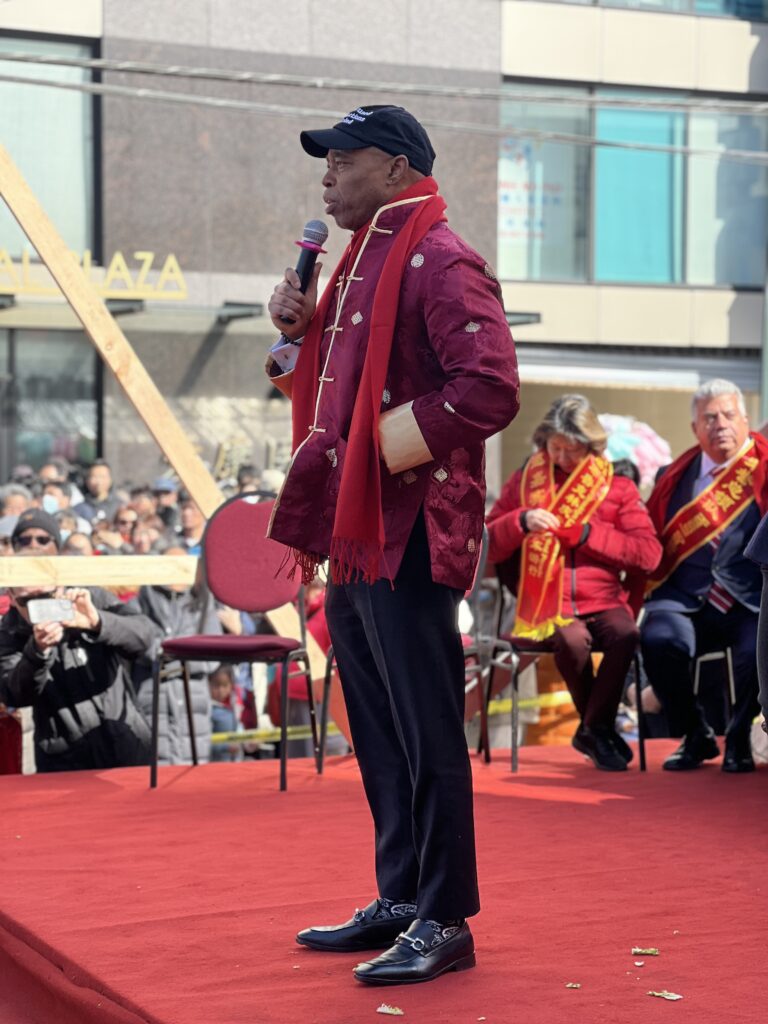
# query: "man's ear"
397, 170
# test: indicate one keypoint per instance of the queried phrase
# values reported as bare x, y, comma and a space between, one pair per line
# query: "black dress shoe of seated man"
363, 931
422, 953
737, 758
695, 748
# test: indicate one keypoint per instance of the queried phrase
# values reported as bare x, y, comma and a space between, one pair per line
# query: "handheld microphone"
311, 244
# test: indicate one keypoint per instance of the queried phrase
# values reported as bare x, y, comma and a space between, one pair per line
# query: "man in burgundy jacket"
402, 370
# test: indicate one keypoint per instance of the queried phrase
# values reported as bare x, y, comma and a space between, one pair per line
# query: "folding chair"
523, 653
241, 566
725, 654
485, 651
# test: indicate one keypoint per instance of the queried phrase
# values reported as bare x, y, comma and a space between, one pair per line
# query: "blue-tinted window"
48, 133
544, 192
639, 198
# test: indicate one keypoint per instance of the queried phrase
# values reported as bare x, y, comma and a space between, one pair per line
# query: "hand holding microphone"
293, 301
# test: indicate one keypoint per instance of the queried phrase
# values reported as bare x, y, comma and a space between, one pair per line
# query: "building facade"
179, 182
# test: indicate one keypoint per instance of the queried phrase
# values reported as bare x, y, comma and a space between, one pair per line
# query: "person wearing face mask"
57, 497
705, 595
575, 529
73, 673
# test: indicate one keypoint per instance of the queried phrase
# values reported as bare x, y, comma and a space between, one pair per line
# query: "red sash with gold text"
542, 569
696, 523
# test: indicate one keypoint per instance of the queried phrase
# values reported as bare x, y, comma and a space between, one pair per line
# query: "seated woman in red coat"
582, 534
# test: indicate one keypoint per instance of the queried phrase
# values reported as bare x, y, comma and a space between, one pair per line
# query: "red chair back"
242, 563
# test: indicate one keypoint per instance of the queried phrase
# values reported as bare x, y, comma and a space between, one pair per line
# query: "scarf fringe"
304, 561
354, 561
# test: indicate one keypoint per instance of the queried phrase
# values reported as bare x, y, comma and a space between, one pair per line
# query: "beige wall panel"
647, 49
548, 41
727, 318
652, 316
83, 18
645, 316
594, 44
568, 312
733, 55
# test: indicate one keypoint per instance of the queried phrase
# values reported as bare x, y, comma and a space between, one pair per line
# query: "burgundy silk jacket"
621, 538
453, 358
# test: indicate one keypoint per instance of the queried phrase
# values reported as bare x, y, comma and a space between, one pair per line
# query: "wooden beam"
105, 571
104, 332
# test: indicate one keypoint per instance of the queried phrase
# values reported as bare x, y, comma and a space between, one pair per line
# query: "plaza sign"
117, 280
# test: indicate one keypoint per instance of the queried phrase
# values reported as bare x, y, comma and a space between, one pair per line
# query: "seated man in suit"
705, 595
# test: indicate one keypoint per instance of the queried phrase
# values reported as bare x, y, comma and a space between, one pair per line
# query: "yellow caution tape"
294, 732
303, 732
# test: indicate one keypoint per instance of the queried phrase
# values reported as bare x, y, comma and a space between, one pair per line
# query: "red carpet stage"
178, 906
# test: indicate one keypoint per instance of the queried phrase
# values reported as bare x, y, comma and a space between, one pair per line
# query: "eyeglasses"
22, 602
27, 539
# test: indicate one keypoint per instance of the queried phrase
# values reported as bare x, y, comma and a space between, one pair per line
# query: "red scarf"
664, 489
357, 541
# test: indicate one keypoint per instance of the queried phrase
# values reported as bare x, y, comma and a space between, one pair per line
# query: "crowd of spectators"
61, 509
87, 710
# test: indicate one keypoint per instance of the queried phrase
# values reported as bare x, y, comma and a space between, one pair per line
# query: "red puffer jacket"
621, 539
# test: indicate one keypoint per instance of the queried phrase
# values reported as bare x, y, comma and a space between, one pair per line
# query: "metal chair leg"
515, 715
284, 725
190, 713
731, 677
324, 708
312, 715
640, 715
156, 665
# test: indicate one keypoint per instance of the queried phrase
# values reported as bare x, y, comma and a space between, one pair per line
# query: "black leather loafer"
698, 747
737, 758
363, 931
414, 957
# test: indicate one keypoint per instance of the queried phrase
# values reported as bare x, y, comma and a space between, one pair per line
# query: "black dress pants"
670, 641
401, 666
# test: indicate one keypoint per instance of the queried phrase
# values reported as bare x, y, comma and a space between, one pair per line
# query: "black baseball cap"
389, 128
36, 518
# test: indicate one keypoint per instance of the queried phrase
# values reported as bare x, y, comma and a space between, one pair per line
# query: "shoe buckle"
359, 916
418, 944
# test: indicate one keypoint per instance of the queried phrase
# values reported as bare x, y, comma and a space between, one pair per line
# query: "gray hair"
574, 418
714, 389
14, 489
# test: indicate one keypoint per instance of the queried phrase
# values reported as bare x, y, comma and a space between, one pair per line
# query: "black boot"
599, 747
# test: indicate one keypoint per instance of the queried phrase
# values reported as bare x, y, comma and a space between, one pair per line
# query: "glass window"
639, 198
543, 193
49, 135
55, 388
649, 5
749, 10
727, 223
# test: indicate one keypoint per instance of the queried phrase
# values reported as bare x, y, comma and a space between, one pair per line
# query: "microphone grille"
315, 231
